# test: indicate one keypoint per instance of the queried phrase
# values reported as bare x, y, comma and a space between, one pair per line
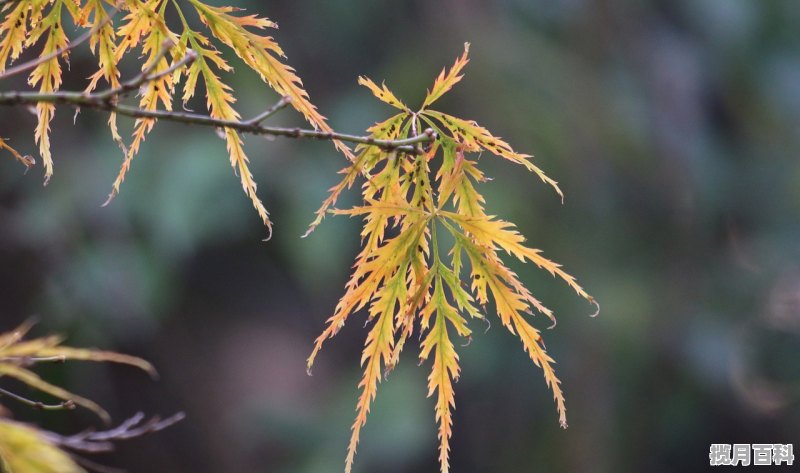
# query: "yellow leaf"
23, 449
419, 283
472, 134
388, 130
503, 234
531, 341
456, 181
445, 369
373, 268
488, 272
383, 93
141, 19
152, 92
445, 363
380, 341
48, 76
13, 32
102, 43
446, 81
220, 101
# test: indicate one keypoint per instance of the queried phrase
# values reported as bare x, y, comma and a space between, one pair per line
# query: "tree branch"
105, 102
109, 99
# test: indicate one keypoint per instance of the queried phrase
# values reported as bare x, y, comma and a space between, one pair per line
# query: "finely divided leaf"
400, 273
13, 32
446, 81
48, 77
152, 92
474, 135
24, 449
382, 93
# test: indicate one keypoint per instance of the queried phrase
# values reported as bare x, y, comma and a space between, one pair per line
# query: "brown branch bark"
107, 103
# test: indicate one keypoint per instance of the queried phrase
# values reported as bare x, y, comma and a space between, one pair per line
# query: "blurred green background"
673, 129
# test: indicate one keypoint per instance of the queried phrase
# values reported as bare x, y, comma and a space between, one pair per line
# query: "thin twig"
26, 160
280, 105
37, 404
91, 441
145, 76
92, 101
19, 68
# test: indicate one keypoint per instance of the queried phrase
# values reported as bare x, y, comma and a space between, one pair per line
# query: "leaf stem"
280, 105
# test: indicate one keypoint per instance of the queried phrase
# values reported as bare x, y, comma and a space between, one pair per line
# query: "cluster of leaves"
28, 23
410, 193
402, 274
25, 448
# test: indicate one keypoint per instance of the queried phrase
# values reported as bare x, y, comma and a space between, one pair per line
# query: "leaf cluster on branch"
185, 53
407, 280
419, 173
27, 449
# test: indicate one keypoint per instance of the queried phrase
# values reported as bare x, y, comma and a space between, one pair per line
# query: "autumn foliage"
432, 258
403, 276
144, 26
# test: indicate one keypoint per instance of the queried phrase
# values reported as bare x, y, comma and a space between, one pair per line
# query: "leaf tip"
269, 233
597, 307
309, 231
110, 197
151, 370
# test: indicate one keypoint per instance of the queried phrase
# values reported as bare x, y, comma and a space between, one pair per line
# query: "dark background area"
672, 128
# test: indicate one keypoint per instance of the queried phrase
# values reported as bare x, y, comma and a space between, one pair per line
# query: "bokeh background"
673, 129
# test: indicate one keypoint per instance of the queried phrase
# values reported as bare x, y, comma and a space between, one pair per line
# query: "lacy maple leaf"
403, 276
